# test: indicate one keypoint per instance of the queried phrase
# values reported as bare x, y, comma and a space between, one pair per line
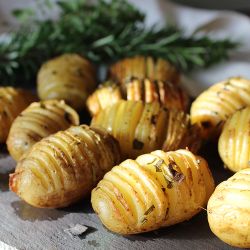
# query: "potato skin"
234, 141
215, 105
169, 95
143, 67
64, 167
141, 128
155, 190
12, 103
38, 121
228, 210
68, 77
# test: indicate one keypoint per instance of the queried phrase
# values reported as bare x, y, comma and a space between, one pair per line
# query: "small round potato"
12, 103
37, 121
228, 210
69, 77
234, 141
143, 67
214, 106
169, 95
63, 168
155, 190
141, 128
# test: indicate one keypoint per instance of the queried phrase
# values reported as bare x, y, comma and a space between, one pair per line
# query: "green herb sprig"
104, 32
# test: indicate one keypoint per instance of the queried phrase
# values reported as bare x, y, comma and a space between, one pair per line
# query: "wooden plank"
25, 227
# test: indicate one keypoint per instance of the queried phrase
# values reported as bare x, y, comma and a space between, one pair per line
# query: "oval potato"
37, 121
228, 210
155, 190
63, 168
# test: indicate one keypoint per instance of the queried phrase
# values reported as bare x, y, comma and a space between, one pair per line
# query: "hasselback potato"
229, 209
143, 67
234, 141
37, 121
155, 190
168, 94
69, 77
141, 128
64, 167
12, 102
211, 109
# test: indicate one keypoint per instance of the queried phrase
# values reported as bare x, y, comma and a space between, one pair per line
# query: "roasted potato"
141, 128
69, 77
12, 103
37, 121
143, 67
168, 94
155, 190
64, 167
214, 106
234, 141
229, 208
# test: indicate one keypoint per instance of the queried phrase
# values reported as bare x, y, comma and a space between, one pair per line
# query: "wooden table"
25, 227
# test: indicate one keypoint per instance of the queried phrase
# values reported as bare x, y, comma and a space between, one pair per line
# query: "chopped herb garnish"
144, 220
158, 164
150, 210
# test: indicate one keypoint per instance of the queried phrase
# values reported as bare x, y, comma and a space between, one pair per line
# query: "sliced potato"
155, 190
169, 95
214, 106
37, 121
64, 167
228, 210
234, 141
12, 103
141, 128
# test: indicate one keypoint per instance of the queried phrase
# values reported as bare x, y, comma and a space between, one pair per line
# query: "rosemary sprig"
104, 32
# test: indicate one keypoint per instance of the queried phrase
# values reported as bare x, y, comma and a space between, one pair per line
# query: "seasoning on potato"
64, 167
155, 190
234, 141
12, 103
143, 67
229, 208
37, 121
69, 77
214, 106
168, 94
141, 128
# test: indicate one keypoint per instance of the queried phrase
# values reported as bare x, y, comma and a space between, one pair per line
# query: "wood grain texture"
26, 228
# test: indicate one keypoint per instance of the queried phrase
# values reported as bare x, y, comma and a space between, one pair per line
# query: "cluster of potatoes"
138, 156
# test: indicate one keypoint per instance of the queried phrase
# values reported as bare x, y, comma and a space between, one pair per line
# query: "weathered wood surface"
25, 227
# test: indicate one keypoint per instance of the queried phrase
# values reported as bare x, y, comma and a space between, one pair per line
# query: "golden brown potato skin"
234, 141
155, 190
169, 95
69, 77
229, 208
214, 106
38, 121
12, 103
64, 167
141, 128
143, 67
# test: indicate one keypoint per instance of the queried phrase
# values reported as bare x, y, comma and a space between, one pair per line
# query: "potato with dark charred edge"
215, 105
12, 103
143, 67
234, 141
37, 121
69, 77
141, 128
228, 210
63, 168
169, 95
155, 190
